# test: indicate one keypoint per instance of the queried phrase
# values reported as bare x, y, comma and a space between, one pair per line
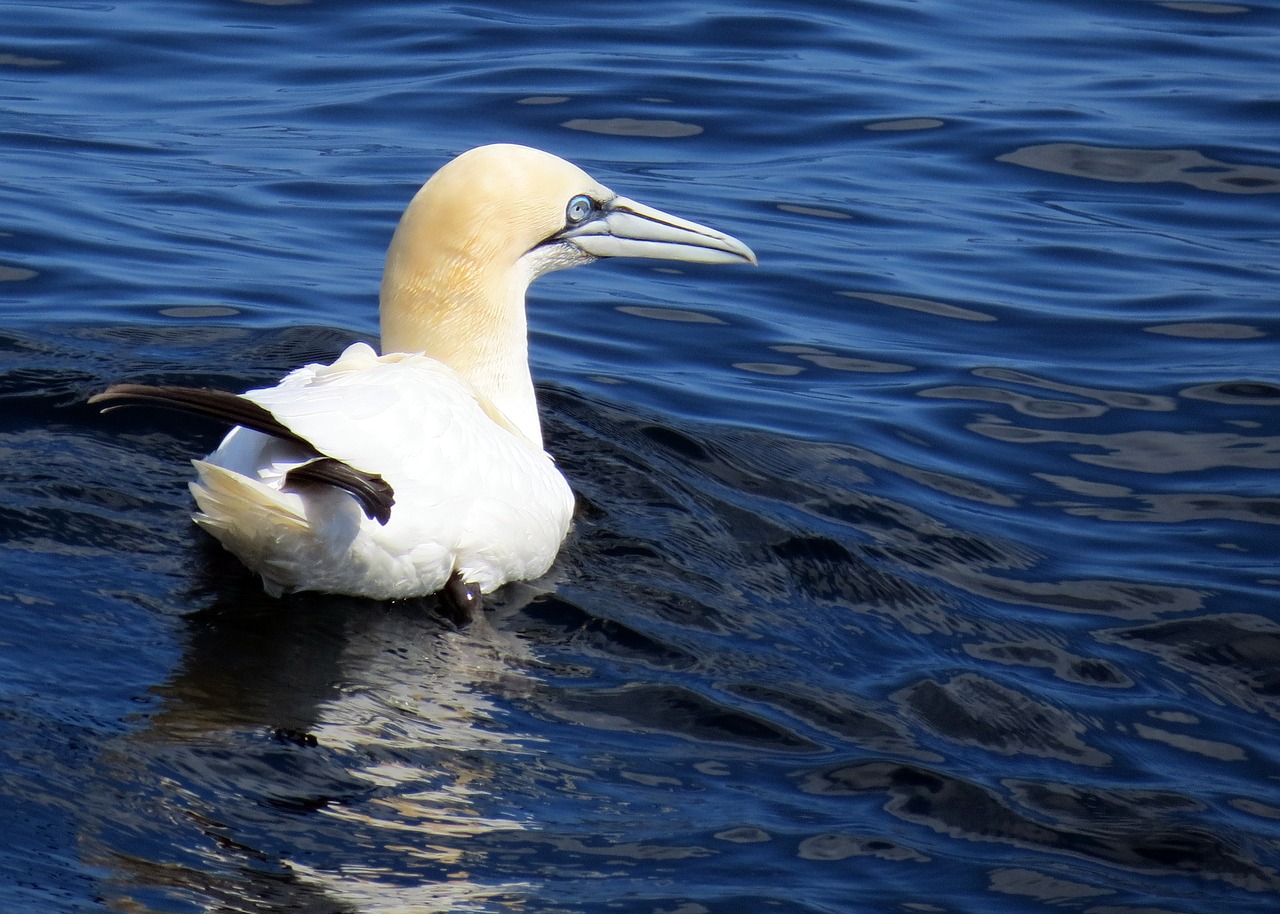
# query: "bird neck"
464, 305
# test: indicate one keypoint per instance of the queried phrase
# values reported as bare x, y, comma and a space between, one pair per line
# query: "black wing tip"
186, 399
219, 405
118, 395
375, 495
379, 508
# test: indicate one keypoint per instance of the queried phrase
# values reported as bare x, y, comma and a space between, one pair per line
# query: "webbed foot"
461, 599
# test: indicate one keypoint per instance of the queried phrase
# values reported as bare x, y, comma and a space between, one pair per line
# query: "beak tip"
741, 252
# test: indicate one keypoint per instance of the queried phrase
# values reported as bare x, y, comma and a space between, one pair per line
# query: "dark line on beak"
611, 208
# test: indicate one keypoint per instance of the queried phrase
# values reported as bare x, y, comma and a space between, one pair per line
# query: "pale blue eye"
579, 209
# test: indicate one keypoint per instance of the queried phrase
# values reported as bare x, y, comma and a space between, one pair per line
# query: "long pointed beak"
625, 228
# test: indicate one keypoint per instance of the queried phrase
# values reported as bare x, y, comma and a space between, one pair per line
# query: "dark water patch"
248, 663
1235, 656
1152, 451
1126, 505
1114, 399
1028, 406
44, 761
840, 716
977, 711
1236, 393
1066, 666
267, 775
930, 547
841, 847
1113, 598
562, 620
822, 569
675, 711
961, 809
1096, 807
670, 439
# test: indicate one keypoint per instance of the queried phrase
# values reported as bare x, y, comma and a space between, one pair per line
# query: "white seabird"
393, 476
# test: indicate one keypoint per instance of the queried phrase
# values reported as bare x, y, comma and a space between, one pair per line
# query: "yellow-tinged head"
486, 225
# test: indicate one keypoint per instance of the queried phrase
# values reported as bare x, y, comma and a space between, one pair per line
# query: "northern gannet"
398, 475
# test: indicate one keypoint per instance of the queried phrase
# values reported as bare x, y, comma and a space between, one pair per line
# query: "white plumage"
471, 496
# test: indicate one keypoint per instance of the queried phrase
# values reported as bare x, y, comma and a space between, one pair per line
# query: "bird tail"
251, 519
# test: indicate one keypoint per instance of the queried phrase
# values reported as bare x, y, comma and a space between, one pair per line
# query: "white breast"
471, 494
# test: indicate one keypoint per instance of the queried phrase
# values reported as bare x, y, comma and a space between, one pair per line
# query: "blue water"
930, 566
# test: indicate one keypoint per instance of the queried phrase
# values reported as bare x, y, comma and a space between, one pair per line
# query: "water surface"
928, 567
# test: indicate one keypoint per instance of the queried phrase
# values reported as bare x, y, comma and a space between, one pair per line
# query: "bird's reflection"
327, 754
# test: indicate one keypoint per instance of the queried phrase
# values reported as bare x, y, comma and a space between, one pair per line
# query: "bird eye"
579, 209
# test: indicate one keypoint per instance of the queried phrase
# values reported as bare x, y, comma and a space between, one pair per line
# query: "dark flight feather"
372, 491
